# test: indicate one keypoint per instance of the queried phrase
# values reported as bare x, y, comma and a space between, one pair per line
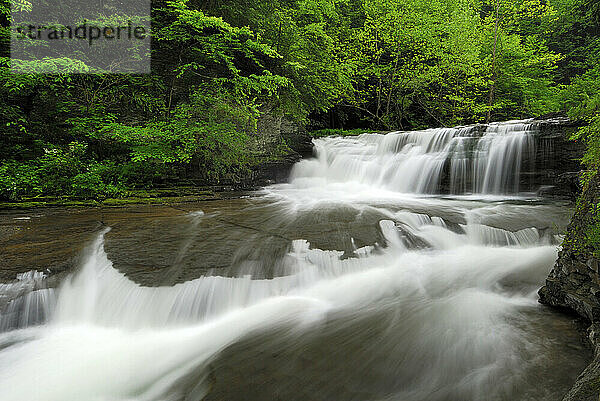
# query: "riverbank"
555, 160
272, 170
157, 196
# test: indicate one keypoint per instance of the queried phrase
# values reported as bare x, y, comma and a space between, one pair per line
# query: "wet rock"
278, 144
557, 158
587, 386
276, 132
574, 283
549, 167
567, 185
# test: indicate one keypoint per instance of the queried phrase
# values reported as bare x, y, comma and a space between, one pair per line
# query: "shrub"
18, 180
60, 172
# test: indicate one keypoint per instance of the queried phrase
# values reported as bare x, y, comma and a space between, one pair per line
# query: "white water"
416, 162
451, 289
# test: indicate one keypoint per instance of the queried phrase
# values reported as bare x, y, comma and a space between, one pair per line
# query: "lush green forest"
218, 68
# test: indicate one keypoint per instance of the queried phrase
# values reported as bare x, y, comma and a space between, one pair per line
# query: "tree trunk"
493, 87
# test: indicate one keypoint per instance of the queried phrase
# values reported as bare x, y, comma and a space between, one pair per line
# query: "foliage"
218, 67
61, 171
584, 100
17, 180
576, 33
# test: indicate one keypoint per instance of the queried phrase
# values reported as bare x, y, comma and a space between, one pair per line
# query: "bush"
60, 172
18, 180
58, 166
91, 185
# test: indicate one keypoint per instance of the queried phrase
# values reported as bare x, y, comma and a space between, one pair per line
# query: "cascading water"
374, 292
417, 162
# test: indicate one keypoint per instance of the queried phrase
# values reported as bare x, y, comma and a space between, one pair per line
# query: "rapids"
391, 267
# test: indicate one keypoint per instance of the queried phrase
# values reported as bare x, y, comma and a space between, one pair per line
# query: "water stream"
391, 267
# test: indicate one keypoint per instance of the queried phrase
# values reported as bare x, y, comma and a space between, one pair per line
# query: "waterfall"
372, 293
457, 161
498, 157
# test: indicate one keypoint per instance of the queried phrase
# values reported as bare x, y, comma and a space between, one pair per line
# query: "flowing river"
391, 267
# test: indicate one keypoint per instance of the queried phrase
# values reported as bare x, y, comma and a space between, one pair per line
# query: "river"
391, 267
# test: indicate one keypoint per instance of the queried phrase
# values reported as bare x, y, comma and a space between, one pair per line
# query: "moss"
583, 235
168, 192
592, 232
155, 196
337, 132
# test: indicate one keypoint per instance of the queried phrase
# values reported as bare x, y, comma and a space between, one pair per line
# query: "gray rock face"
554, 170
557, 163
275, 132
586, 386
574, 283
277, 144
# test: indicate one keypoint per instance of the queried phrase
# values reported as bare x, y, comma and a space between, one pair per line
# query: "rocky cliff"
574, 283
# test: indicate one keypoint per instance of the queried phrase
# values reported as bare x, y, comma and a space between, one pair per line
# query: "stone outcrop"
282, 143
574, 283
277, 145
